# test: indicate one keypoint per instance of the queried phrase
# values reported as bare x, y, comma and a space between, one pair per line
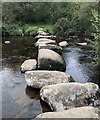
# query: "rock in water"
63, 44
40, 78
7, 42
40, 32
44, 41
46, 36
69, 95
87, 113
55, 48
82, 44
28, 65
50, 60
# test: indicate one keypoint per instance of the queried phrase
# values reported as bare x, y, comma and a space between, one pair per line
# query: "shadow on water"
34, 94
19, 100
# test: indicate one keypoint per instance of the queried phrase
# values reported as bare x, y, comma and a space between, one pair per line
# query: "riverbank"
18, 29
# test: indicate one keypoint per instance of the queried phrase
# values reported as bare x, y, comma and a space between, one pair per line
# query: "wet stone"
69, 95
40, 78
28, 65
80, 112
50, 60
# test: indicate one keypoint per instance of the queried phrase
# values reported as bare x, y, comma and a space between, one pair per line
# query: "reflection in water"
35, 94
18, 101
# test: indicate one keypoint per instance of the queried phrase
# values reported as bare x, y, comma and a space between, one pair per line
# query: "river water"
19, 100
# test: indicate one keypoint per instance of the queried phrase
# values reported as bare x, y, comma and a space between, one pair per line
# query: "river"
21, 101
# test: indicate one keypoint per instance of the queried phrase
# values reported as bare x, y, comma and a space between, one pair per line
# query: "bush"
17, 32
30, 30
61, 28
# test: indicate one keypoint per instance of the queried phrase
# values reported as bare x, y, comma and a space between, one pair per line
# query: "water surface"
19, 100
80, 71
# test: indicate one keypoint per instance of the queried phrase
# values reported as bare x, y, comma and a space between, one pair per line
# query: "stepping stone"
50, 60
40, 78
88, 113
28, 65
65, 96
55, 48
47, 36
44, 41
63, 44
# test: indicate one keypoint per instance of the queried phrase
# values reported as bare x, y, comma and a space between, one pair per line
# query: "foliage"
61, 27
37, 12
96, 23
80, 24
27, 29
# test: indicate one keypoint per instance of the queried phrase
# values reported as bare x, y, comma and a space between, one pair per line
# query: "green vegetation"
17, 16
82, 23
26, 30
69, 18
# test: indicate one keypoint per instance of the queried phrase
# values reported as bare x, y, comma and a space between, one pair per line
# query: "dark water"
20, 101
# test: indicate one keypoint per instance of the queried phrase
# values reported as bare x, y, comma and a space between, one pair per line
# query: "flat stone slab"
40, 78
46, 36
44, 41
50, 60
55, 48
80, 112
41, 32
28, 65
69, 95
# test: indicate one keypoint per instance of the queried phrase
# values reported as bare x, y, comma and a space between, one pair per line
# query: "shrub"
17, 32
30, 30
61, 28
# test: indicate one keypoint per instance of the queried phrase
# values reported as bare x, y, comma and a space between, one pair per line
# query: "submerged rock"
55, 48
63, 44
40, 78
85, 58
69, 95
28, 65
50, 60
80, 112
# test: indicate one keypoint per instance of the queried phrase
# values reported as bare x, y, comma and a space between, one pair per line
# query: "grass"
27, 29
34, 28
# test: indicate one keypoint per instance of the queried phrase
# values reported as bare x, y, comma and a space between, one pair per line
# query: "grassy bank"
25, 29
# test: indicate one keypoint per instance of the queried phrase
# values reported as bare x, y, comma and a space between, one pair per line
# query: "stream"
21, 101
